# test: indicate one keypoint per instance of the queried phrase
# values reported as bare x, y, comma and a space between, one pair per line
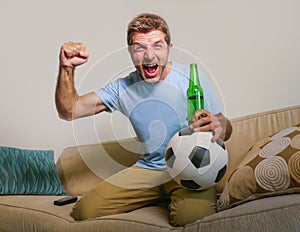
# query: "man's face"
149, 53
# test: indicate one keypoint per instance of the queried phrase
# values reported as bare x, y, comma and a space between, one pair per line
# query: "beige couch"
273, 213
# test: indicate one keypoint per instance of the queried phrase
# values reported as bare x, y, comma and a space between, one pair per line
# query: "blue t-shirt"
156, 111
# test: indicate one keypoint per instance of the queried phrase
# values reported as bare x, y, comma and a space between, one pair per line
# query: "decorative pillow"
271, 167
28, 172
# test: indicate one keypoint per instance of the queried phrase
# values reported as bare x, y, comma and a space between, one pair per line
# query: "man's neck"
166, 71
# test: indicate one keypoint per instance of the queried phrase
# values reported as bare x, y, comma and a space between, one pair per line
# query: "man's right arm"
68, 103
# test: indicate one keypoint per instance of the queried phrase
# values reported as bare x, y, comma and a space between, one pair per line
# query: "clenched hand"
73, 54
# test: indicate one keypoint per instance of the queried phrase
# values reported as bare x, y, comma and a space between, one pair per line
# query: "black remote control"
65, 200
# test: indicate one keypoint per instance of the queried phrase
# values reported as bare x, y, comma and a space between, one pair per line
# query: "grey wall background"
251, 48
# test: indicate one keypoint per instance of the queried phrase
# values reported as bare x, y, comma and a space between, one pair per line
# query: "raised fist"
73, 54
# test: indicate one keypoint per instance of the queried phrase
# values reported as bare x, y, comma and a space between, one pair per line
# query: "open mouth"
150, 69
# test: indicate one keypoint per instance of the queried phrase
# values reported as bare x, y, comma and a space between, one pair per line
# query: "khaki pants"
136, 187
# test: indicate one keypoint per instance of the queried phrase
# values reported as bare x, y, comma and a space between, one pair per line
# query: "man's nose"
149, 54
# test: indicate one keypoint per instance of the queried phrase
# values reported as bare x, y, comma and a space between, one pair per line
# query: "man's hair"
147, 22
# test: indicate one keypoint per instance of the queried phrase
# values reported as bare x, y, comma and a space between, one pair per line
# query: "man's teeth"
150, 68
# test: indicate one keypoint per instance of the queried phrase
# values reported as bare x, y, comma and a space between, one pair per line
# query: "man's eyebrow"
137, 43
159, 41
145, 44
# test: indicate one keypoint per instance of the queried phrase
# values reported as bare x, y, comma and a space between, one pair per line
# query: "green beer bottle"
195, 95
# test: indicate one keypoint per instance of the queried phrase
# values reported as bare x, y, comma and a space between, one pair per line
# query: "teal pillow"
28, 172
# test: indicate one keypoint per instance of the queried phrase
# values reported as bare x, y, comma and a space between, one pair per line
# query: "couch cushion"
278, 213
28, 172
271, 167
249, 129
39, 214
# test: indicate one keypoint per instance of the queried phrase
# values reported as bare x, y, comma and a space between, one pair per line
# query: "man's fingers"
202, 118
205, 121
73, 54
201, 113
83, 54
72, 49
216, 134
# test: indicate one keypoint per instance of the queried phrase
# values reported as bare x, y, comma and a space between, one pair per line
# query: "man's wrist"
67, 69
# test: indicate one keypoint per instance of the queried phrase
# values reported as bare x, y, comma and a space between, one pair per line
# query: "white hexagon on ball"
194, 161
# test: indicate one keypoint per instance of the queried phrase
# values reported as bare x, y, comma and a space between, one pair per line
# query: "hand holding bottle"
204, 121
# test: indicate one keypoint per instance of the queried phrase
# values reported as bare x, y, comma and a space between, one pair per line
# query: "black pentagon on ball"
170, 157
190, 184
200, 157
221, 173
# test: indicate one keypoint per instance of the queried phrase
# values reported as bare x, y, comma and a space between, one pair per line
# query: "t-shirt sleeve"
109, 94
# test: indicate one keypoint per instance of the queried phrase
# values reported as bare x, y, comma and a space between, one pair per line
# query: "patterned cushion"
28, 172
271, 167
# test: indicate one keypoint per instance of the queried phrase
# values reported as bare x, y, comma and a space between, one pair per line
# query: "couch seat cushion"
278, 213
37, 213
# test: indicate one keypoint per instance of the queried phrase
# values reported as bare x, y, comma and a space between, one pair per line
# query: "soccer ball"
194, 161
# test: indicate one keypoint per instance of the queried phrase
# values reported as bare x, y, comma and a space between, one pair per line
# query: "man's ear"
170, 46
129, 48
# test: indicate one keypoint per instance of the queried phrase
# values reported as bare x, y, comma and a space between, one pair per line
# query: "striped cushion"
28, 172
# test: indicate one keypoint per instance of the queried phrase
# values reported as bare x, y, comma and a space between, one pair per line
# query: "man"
154, 99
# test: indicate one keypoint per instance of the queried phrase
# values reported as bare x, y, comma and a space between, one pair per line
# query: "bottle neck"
194, 76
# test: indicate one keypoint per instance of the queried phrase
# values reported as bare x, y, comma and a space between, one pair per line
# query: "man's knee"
191, 211
85, 208
95, 204
185, 210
